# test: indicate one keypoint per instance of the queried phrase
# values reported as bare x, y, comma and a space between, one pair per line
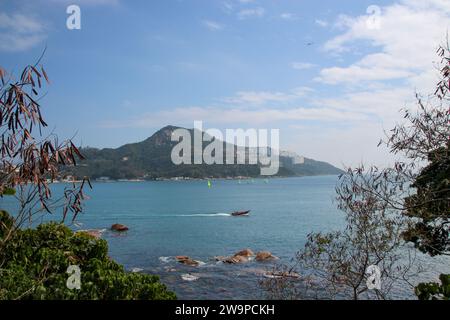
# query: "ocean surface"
170, 218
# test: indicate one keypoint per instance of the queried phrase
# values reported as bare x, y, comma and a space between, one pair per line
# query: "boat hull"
240, 213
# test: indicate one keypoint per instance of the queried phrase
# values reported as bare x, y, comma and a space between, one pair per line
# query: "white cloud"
227, 6
402, 49
16, 43
212, 25
88, 2
259, 98
250, 13
404, 46
288, 16
358, 74
234, 116
302, 65
443, 5
321, 23
19, 32
383, 103
20, 23
343, 147
397, 62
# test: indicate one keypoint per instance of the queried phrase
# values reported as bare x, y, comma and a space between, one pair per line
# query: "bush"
36, 261
6, 222
433, 290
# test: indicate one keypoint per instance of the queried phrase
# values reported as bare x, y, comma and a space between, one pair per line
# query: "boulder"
119, 227
187, 261
264, 256
236, 259
182, 258
245, 253
220, 258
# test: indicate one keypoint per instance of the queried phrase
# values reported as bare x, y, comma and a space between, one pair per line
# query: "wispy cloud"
20, 23
302, 65
19, 32
227, 7
212, 25
257, 12
321, 23
357, 74
260, 98
87, 2
252, 117
395, 54
382, 103
398, 62
288, 16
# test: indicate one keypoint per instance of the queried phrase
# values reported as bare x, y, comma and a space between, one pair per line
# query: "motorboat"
240, 213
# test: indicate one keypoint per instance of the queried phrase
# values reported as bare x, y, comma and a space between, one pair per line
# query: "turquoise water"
169, 218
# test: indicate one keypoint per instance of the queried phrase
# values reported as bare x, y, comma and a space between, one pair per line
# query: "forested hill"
150, 159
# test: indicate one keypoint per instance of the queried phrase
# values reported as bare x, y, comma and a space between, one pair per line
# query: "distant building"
103, 179
69, 179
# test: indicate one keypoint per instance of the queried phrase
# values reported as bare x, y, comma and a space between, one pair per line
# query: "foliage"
6, 223
30, 161
337, 262
409, 201
36, 261
430, 206
433, 290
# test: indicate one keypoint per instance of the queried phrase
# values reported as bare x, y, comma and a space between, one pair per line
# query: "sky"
331, 75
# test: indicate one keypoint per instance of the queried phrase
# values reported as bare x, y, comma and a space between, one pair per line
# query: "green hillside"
150, 159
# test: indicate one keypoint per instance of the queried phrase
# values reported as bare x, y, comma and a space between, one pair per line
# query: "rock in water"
245, 253
181, 258
119, 227
220, 258
236, 259
264, 256
187, 261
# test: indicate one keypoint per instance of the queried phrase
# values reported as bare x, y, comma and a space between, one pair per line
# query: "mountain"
151, 159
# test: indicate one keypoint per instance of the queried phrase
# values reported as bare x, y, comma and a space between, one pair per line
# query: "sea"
193, 218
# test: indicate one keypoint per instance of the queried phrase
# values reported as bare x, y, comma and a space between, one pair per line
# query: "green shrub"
433, 290
36, 261
6, 222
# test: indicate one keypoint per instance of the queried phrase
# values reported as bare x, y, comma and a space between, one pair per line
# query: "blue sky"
318, 70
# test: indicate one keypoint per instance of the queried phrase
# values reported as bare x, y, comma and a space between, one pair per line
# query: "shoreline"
185, 179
